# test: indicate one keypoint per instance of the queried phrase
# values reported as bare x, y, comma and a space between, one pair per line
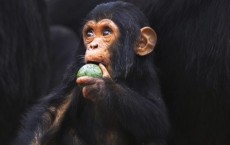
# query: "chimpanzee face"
98, 38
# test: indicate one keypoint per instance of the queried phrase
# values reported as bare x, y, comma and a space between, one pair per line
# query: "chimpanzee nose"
94, 45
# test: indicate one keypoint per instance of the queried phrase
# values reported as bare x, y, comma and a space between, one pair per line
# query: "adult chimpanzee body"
24, 67
193, 60
26, 61
124, 107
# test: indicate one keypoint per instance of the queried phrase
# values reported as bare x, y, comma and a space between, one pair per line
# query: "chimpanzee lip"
94, 62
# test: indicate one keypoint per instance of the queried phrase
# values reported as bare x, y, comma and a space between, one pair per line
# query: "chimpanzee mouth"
93, 62
97, 63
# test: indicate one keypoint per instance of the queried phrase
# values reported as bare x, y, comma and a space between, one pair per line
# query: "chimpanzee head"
117, 35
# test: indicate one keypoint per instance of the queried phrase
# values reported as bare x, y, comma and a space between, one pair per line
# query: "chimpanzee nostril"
93, 45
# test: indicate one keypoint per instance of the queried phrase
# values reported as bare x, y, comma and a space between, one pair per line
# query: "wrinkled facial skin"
98, 38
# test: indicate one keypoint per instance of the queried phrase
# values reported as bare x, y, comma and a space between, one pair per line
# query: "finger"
89, 92
85, 80
104, 71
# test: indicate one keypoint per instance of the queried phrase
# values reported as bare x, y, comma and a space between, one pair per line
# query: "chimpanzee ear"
147, 41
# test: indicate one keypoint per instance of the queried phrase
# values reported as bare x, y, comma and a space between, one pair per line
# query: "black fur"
129, 109
28, 60
24, 65
193, 58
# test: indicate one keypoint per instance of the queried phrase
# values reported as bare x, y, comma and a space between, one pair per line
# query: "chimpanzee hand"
94, 87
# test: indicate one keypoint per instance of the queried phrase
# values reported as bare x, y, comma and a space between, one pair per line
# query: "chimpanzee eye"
89, 33
107, 31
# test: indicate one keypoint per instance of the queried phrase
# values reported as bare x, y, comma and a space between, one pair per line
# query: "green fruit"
91, 70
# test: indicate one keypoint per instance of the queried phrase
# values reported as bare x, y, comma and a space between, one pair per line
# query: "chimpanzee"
24, 65
26, 60
124, 107
192, 56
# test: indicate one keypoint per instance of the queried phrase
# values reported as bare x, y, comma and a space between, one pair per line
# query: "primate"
124, 107
193, 58
193, 61
24, 61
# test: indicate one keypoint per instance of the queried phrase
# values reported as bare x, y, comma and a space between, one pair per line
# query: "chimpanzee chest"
86, 136
90, 130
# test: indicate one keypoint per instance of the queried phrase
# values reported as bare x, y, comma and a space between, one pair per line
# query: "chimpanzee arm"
44, 119
142, 116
